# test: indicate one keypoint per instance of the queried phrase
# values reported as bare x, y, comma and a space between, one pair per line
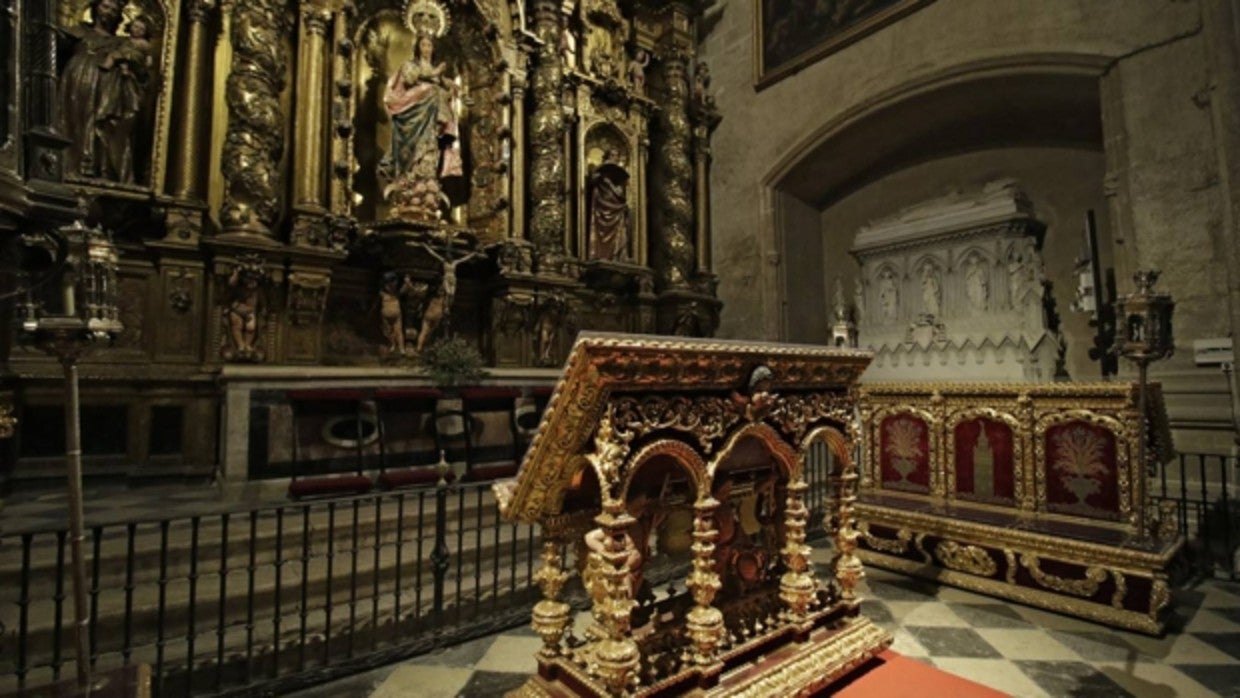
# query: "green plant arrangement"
452, 361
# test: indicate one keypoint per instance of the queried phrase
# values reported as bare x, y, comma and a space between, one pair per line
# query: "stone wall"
1154, 170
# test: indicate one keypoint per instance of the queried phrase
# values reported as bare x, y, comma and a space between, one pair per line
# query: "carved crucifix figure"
439, 308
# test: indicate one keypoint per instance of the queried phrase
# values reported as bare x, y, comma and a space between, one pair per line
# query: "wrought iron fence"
273, 597
1209, 516
264, 599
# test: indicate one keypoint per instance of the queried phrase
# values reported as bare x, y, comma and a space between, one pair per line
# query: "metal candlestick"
83, 314
1143, 335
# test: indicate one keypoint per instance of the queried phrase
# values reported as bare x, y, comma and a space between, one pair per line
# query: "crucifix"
439, 308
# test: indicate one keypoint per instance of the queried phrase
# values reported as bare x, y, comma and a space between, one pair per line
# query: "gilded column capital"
199, 11
316, 19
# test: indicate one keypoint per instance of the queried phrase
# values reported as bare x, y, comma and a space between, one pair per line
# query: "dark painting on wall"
791, 34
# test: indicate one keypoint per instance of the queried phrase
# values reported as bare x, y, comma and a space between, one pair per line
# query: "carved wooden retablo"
661, 458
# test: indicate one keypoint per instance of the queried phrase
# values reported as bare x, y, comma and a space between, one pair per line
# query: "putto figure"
244, 309
419, 101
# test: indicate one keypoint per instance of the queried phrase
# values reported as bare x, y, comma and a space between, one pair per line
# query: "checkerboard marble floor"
1017, 650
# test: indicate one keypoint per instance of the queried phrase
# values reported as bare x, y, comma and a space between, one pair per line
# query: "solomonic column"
673, 246
546, 140
254, 141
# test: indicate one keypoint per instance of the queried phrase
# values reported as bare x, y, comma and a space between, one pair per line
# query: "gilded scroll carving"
1085, 588
966, 558
255, 140
898, 546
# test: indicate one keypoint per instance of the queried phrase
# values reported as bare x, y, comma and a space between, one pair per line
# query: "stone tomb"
655, 449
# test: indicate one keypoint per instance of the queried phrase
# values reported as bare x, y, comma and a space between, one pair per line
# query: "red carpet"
891, 675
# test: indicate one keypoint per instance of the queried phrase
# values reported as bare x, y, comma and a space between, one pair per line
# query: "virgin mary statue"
418, 99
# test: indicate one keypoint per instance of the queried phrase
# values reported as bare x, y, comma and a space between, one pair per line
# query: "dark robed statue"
609, 210
102, 90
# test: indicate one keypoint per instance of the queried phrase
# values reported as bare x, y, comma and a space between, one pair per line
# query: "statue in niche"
976, 286
701, 86
609, 210
931, 290
392, 310
419, 101
242, 312
439, 308
552, 312
1025, 275
637, 71
102, 92
888, 295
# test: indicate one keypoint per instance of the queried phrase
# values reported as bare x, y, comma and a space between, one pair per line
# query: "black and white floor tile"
1020, 651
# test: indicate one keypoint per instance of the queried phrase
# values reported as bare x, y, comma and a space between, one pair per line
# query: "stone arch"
973, 111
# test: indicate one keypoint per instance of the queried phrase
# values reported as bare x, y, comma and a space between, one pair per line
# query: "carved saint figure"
102, 90
976, 285
609, 210
930, 290
888, 295
701, 85
439, 307
637, 71
391, 312
1025, 277
858, 300
551, 315
419, 100
242, 312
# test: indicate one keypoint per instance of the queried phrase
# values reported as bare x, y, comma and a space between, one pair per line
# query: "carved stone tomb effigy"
660, 458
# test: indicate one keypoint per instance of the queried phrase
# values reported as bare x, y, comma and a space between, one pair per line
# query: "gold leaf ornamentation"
1085, 588
966, 558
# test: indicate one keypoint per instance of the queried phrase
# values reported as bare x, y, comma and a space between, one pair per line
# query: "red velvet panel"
1081, 472
904, 453
999, 446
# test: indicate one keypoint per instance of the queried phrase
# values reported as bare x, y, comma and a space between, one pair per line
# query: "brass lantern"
73, 313
1143, 321
1143, 335
82, 310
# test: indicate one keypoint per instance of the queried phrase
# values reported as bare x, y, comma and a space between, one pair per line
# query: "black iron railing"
1209, 516
271, 597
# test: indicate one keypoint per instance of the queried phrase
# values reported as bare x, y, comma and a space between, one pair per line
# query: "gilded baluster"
615, 655
551, 616
705, 622
848, 569
797, 586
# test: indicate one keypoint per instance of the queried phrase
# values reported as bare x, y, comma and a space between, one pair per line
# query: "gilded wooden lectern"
691, 456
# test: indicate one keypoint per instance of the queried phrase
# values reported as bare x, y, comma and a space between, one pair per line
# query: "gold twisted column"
186, 180
848, 569
309, 134
254, 142
550, 617
797, 586
705, 622
546, 135
673, 250
615, 655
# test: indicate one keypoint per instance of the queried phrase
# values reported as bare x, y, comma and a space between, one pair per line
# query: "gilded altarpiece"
321, 183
